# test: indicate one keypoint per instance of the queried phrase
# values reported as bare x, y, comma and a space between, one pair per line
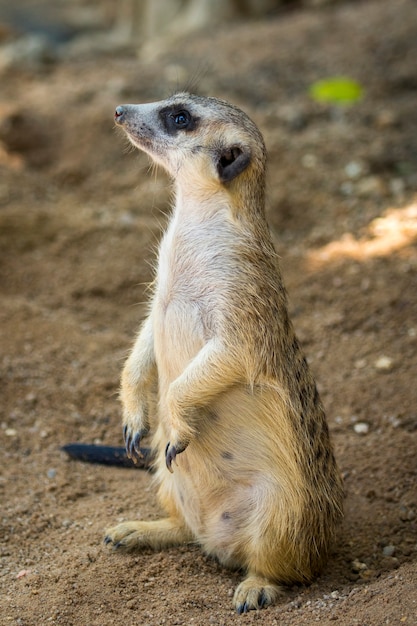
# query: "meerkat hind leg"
255, 592
156, 534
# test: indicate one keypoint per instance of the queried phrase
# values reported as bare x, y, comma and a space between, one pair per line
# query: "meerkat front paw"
132, 440
182, 432
171, 452
135, 427
138, 401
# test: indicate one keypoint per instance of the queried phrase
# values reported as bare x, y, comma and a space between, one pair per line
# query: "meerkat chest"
188, 295
196, 258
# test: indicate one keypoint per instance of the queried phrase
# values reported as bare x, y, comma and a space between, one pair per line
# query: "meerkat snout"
118, 114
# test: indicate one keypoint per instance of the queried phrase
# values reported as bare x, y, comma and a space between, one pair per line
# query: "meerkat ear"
231, 162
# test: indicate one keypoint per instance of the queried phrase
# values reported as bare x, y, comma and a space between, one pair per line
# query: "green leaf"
337, 90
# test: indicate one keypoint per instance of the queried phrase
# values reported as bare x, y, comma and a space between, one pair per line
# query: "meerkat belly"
229, 481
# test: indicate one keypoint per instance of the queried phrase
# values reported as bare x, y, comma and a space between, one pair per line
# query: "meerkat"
243, 458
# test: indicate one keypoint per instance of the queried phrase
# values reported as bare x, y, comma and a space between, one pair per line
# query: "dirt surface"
79, 220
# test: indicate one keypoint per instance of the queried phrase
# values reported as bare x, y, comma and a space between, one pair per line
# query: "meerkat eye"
176, 119
181, 119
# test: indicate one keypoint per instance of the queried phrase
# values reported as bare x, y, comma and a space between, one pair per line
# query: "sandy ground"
80, 216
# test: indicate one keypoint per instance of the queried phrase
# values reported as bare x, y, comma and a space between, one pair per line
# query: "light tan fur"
217, 369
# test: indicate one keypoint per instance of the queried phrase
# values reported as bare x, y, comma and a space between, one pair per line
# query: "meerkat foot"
255, 592
157, 534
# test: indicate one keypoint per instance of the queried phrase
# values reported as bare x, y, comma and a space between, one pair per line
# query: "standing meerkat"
243, 458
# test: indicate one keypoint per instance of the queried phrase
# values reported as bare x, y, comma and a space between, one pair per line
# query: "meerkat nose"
119, 114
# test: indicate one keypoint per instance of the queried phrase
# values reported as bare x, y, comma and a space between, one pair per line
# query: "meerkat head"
196, 139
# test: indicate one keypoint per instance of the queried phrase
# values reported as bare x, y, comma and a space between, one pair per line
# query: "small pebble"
388, 551
358, 566
354, 169
367, 574
361, 428
360, 364
51, 473
384, 364
10, 432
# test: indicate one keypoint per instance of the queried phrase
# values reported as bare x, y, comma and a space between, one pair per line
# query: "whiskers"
128, 145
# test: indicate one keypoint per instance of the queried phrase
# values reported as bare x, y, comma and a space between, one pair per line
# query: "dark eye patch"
177, 119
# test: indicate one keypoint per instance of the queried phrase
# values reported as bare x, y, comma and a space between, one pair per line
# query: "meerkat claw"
242, 608
132, 443
126, 438
170, 456
245, 607
134, 448
171, 452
